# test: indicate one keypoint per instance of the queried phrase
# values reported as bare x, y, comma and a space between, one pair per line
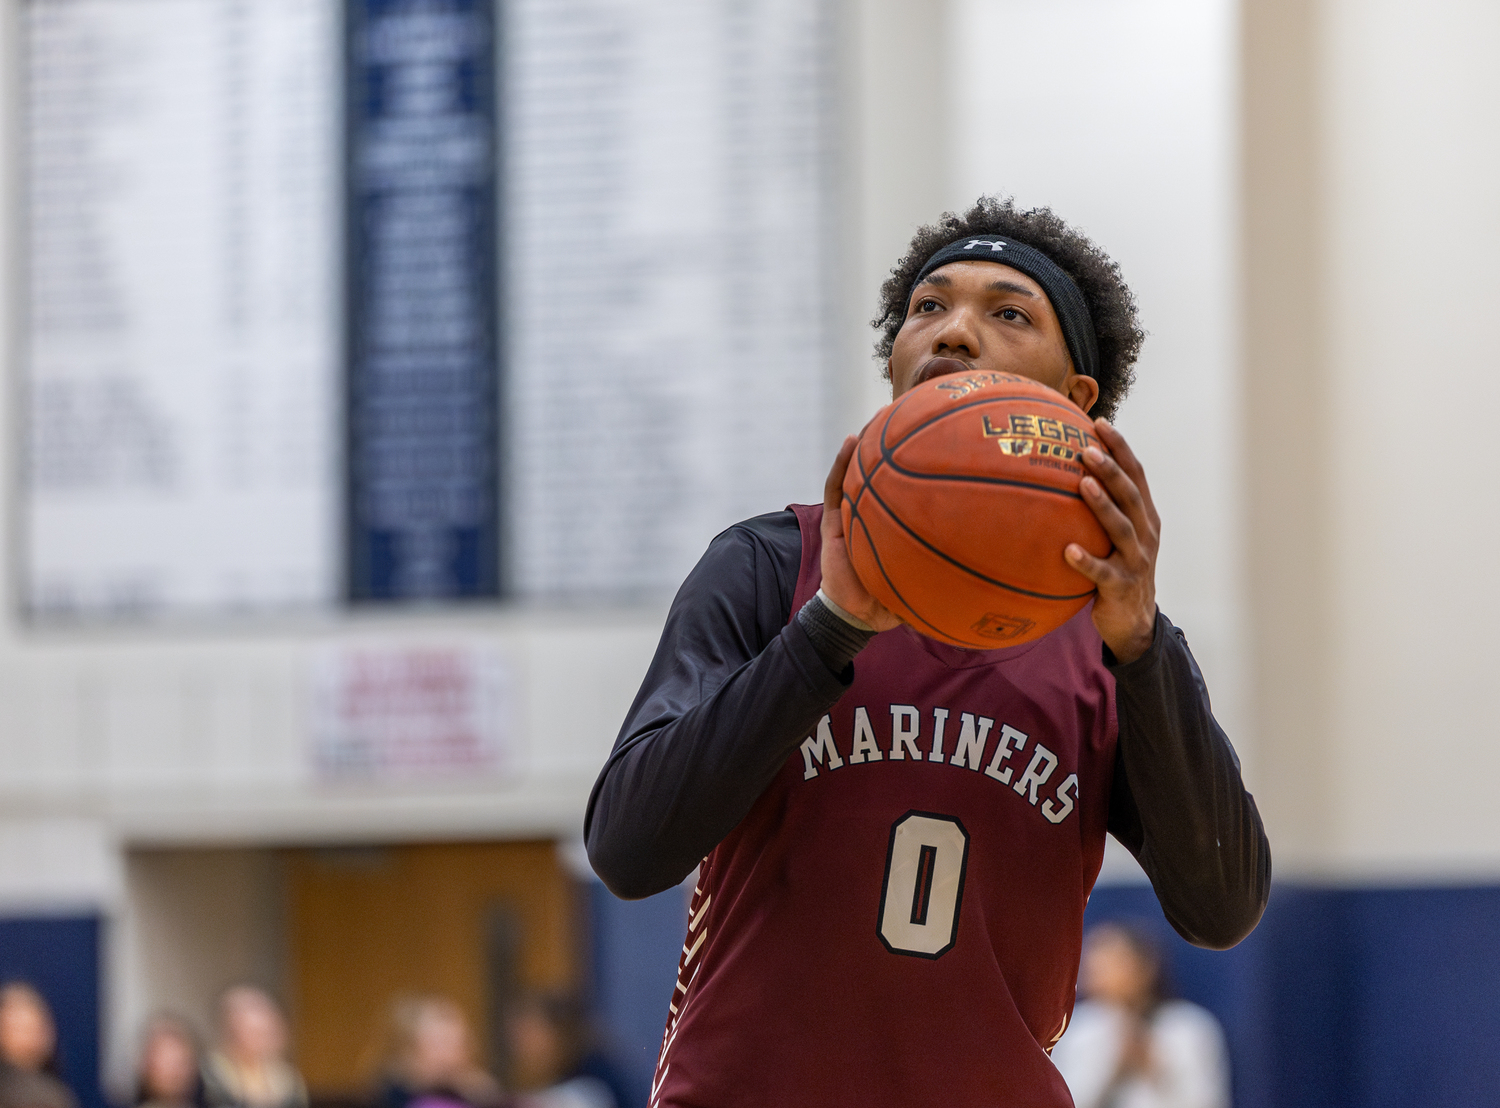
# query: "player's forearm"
677, 785
1199, 836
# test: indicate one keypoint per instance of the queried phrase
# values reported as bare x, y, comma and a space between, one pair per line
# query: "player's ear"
1081, 390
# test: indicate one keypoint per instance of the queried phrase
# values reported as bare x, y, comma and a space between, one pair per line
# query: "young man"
897, 838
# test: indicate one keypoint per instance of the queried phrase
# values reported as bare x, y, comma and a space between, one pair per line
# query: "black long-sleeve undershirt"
734, 688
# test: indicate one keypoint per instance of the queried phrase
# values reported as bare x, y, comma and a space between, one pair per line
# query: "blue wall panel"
1428, 996
636, 944
59, 956
1349, 997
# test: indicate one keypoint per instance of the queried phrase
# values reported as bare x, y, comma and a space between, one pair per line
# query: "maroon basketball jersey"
897, 921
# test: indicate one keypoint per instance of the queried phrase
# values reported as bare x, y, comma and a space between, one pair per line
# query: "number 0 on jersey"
924, 884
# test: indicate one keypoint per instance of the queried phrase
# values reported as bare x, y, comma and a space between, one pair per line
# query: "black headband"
1071, 308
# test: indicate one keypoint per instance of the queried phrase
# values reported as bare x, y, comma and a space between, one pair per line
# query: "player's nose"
958, 334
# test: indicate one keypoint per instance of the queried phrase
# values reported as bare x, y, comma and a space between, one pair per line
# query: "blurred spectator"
554, 1050
429, 1061
29, 1076
249, 1069
1128, 1045
168, 1075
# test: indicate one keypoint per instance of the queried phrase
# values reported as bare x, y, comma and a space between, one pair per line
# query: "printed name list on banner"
182, 340
668, 220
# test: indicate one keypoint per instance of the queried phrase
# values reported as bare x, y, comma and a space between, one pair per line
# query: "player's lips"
940, 367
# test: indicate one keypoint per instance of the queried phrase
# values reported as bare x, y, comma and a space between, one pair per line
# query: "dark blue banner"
423, 342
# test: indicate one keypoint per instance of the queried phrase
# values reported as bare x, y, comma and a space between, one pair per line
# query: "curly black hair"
1111, 303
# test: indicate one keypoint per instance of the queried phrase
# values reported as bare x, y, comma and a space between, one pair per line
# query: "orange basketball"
959, 502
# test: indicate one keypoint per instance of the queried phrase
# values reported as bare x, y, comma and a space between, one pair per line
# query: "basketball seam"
974, 479
879, 446
959, 565
864, 476
855, 517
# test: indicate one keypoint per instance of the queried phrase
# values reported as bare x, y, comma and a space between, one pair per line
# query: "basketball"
959, 501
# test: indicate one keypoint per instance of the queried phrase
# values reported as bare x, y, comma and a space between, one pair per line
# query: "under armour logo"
995, 245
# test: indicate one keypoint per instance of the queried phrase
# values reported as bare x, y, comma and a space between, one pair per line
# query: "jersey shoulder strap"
810, 571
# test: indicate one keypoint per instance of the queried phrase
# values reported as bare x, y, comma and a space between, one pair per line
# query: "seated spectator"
29, 1074
554, 1051
249, 1068
429, 1061
168, 1075
1128, 1046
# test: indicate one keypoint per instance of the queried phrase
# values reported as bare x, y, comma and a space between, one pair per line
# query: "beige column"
1286, 398
1371, 172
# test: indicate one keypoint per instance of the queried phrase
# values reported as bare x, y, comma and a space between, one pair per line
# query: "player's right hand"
840, 584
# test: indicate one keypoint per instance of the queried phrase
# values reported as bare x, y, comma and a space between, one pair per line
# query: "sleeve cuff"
836, 638
848, 617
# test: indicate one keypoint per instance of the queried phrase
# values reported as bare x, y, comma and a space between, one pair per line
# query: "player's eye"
928, 305
1010, 314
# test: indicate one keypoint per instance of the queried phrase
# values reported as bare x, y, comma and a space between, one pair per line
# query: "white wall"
57, 863
895, 168
198, 736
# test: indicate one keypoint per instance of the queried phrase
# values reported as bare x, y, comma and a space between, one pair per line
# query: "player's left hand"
1116, 490
840, 583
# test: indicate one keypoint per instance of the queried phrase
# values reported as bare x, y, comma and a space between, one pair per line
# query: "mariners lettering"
865, 746
816, 749
1059, 812
906, 721
1011, 741
1010, 749
939, 717
971, 742
1043, 762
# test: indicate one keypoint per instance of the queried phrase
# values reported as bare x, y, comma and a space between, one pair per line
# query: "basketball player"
896, 838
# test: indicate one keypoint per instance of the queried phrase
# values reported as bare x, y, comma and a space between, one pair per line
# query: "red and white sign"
411, 712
